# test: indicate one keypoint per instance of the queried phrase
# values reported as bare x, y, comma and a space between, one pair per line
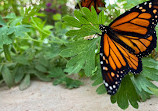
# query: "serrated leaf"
150, 63
84, 56
154, 90
102, 17
143, 95
86, 20
80, 17
150, 73
71, 21
4, 38
20, 30
25, 82
144, 83
126, 94
89, 16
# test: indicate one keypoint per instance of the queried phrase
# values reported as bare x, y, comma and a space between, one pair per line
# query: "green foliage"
126, 94
30, 48
134, 88
83, 53
61, 78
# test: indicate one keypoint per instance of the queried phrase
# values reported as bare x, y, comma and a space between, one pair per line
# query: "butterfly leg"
98, 34
91, 37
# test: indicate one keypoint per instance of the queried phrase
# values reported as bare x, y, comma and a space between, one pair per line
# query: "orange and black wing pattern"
116, 61
125, 41
136, 27
94, 3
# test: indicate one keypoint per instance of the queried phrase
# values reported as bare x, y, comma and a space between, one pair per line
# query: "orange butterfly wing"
116, 61
94, 3
136, 28
125, 41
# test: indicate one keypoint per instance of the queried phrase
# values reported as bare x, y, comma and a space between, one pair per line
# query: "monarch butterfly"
89, 3
125, 41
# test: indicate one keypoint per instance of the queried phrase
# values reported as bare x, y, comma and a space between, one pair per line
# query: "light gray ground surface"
43, 96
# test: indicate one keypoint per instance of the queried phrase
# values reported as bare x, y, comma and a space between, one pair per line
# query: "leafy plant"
30, 49
84, 56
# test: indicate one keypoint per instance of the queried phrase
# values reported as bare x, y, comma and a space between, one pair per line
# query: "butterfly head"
103, 28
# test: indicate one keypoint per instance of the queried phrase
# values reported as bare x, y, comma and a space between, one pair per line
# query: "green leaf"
101, 89
22, 59
144, 95
150, 63
144, 84
43, 61
83, 53
57, 16
97, 81
70, 83
126, 94
150, 73
56, 72
20, 30
10, 16
25, 82
102, 17
30, 12
16, 21
2, 22
89, 15
154, 90
42, 77
71, 21
84, 21
6, 52
19, 74
7, 76
4, 38
40, 68
59, 81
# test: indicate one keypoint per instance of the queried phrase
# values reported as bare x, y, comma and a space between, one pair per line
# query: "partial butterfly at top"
125, 41
89, 3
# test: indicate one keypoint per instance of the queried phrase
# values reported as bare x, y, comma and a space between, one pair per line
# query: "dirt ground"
43, 96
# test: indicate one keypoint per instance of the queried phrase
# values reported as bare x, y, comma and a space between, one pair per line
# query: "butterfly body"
125, 41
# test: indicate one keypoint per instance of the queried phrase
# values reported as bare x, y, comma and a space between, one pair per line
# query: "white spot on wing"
145, 3
114, 86
106, 84
110, 88
101, 54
